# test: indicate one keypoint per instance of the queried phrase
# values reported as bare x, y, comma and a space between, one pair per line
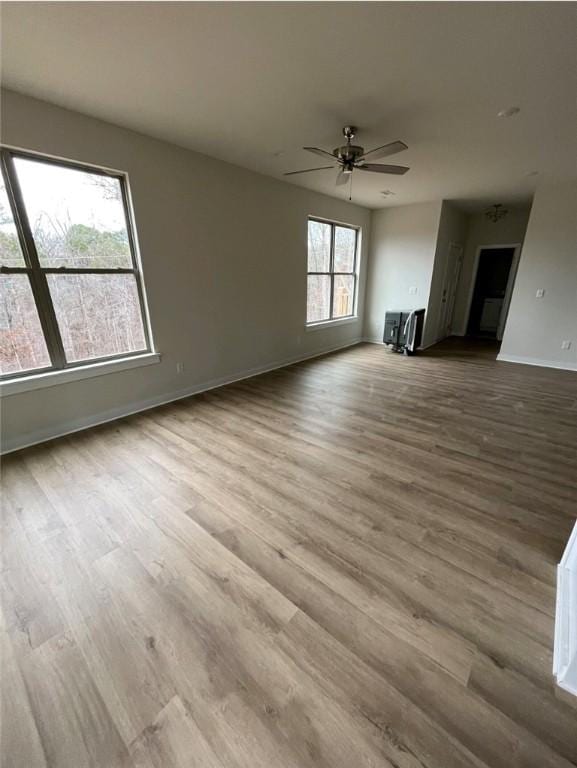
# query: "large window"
70, 288
332, 271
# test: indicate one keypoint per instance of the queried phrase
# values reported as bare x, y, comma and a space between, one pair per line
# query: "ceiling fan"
350, 157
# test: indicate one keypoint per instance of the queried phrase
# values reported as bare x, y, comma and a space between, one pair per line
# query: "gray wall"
536, 327
224, 261
452, 229
481, 231
402, 254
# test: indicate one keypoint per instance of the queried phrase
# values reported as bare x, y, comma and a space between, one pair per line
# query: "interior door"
450, 283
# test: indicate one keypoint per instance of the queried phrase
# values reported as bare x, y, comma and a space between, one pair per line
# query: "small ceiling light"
509, 112
496, 212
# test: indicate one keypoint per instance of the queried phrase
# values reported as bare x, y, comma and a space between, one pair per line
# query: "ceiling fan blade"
385, 150
308, 170
321, 152
342, 178
397, 170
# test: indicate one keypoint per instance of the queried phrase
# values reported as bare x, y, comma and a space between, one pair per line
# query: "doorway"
496, 266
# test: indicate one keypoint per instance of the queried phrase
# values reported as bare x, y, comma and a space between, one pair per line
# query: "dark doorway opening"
489, 303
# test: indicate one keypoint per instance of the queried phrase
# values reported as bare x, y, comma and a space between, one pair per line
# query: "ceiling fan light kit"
351, 157
496, 212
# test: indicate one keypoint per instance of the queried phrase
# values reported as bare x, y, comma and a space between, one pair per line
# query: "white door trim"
510, 281
508, 292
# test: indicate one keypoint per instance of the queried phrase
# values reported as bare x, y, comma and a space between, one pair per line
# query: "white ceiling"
252, 82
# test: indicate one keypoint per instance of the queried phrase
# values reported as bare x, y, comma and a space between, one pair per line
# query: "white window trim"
63, 376
315, 326
331, 323
44, 305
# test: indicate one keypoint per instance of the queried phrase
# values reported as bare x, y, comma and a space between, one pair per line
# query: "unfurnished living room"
288, 335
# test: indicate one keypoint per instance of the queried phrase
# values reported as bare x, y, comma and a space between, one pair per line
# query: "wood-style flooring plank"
347, 562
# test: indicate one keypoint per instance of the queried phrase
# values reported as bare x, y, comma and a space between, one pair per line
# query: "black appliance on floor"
404, 330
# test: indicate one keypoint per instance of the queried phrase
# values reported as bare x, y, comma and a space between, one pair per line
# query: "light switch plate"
540, 293
566, 344
412, 290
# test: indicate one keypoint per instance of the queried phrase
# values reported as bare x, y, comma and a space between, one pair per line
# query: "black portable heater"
404, 330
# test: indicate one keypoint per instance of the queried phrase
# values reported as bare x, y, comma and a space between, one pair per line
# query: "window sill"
54, 378
331, 323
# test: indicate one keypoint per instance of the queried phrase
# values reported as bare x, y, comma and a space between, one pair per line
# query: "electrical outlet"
566, 344
180, 367
540, 293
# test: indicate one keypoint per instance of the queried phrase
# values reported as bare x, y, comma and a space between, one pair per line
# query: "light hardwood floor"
348, 563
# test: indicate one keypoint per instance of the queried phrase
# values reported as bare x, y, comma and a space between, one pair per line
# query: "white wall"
452, 229
481, 231
403, 243
536, 327
224, 261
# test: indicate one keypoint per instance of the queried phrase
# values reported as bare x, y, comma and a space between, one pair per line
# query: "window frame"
354, 274
37, 274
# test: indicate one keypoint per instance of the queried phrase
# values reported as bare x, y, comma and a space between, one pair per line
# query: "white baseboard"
536, 361
77, 425
565, 655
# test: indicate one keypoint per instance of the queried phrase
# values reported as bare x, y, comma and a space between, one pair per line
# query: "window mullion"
355, 271
38, 282
88, 271
14, 270
332, 268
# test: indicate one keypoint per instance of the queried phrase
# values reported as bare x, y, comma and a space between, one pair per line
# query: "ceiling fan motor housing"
349, 153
